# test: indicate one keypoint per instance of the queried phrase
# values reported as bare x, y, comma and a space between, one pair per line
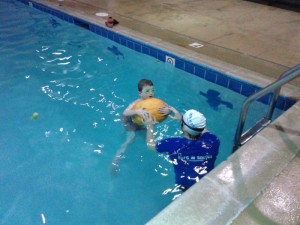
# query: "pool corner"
246, 188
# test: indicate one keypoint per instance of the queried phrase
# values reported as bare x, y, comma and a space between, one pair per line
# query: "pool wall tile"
137, 47
81, 23
117, 39
130, 45
288, 103
199, 70
179, 64
211, 76
281, 102
123, 42
110, 36
145, 50
235, 85
266, 99
153, 53
161, 56
222, 80
96, 30
249, 89
190, 68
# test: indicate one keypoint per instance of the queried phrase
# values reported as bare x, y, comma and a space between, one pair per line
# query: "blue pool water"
56, 169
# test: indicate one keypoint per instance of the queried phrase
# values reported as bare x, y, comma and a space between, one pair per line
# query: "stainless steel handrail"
275, 87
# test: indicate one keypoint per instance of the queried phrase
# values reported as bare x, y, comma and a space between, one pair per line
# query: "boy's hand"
148, 119
165, 110
141, 112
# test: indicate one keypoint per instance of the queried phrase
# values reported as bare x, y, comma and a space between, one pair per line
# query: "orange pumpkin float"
150, 105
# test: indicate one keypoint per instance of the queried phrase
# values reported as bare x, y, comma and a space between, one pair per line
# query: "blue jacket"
192, 159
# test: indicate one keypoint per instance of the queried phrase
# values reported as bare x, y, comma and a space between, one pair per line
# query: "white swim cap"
193, 122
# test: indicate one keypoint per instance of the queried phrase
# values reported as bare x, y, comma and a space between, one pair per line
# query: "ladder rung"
261, 124
240, 138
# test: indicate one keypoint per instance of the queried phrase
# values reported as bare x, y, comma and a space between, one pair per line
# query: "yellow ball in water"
35, 116
150, 105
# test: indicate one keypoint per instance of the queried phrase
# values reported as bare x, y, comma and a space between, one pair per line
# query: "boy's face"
147, 92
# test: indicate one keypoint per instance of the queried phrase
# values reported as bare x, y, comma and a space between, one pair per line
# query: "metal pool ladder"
274, 87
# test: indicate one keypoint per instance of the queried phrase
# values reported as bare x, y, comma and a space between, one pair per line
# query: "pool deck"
260, 183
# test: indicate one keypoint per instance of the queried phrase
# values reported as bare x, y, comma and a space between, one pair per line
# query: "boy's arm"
130, 112
150, 137
176, 115
148, 122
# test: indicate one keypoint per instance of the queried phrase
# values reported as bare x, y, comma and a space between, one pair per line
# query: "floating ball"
35, 116
150, 105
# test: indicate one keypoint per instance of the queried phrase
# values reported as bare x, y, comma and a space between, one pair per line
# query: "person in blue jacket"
194, 154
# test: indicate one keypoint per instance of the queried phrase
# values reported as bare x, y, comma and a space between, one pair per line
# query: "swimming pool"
56, 168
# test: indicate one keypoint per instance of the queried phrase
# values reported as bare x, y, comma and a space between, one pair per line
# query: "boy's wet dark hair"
144, 82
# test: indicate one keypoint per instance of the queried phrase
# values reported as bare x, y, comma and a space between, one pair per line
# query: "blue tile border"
209, 74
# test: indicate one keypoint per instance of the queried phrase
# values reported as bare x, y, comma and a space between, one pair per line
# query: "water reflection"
54, 23
116, 51
214, 100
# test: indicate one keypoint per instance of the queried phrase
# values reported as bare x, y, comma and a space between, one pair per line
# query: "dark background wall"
286, 4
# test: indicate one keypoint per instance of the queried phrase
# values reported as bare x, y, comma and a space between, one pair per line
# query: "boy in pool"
145, 91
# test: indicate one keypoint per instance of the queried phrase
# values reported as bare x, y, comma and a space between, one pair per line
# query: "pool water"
56, 169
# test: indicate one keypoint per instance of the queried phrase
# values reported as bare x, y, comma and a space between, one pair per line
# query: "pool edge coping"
233, 195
